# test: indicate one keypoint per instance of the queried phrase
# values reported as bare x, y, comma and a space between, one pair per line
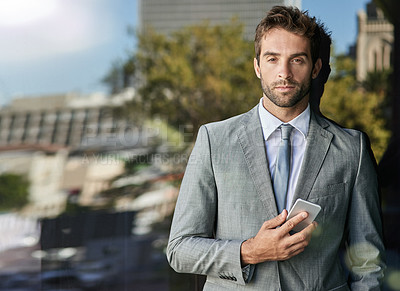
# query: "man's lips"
284, 88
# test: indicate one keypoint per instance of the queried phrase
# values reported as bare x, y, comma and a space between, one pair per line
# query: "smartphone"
300, 206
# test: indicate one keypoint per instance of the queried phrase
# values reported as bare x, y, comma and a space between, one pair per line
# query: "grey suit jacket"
226, 195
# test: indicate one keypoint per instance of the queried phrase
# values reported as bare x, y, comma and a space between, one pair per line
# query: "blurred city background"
100, 102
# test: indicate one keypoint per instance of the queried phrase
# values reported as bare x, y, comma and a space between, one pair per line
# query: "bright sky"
60, 46
340, 17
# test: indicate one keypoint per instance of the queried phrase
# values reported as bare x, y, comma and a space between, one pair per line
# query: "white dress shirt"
272, 136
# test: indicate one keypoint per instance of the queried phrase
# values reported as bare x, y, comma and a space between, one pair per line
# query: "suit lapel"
252, 142
318, 142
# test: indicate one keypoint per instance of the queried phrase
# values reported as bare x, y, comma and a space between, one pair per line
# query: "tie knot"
286, 129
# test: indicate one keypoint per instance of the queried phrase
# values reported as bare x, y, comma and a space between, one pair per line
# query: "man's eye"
297, 61
271, 60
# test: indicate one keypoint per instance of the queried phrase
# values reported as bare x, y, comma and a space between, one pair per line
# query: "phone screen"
300, 206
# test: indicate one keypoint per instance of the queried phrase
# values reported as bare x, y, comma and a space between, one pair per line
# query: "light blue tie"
282, 167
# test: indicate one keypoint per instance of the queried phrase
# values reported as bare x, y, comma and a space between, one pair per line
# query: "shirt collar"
270, 123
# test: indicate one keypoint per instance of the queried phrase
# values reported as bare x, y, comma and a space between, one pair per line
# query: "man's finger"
309, 230
276, 221
303, 237
294, 251
291, 223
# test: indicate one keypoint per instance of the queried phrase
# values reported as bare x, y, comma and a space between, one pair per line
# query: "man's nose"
285, 71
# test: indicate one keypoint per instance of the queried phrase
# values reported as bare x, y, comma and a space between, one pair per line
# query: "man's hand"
276, 244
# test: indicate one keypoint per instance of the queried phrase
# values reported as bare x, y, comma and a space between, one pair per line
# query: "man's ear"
257, 68
317, 67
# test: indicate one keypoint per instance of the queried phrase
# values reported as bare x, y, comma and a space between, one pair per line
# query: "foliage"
353, 107
137, 163
176, 139
121, 75
13, 191
73, 208
378, 82
199, 74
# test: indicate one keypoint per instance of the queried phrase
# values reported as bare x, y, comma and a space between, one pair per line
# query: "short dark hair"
292, 20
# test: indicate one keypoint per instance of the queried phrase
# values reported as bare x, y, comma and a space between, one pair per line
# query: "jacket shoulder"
233, 123
352, 140
339, 130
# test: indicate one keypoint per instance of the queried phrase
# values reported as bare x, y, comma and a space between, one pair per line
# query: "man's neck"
285, 114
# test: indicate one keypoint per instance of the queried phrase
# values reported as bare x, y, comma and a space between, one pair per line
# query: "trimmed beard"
302, 90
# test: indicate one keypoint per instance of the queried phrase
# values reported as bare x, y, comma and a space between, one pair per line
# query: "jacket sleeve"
365, 255
192, 247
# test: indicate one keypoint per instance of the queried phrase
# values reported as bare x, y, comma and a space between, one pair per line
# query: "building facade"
48, 140
66, 120
374, 42
166, 16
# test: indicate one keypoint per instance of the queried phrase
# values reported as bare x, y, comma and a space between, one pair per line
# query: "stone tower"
374, 42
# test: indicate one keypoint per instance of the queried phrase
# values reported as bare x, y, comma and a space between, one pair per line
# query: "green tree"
13, 191
121, 75
378, 82
199, 74
350, 105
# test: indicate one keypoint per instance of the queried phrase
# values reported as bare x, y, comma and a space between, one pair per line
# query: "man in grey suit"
229, 223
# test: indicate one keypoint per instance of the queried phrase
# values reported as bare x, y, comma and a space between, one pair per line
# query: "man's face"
285, 68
